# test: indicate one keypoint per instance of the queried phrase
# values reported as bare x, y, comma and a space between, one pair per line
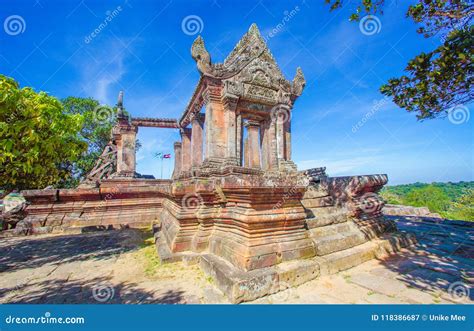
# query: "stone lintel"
155, 122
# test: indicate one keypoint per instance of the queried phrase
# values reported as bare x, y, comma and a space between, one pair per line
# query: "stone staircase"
332, 231
341, 240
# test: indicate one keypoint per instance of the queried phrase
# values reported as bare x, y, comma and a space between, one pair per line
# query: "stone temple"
236, 204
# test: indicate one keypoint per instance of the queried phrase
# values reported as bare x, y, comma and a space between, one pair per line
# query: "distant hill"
450, 200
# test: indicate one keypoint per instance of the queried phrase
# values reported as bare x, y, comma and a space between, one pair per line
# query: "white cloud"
102, 69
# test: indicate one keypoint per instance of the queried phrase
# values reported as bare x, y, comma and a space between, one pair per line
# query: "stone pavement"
122, 267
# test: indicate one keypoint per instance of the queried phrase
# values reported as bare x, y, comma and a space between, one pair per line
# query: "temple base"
259, 234
242, 286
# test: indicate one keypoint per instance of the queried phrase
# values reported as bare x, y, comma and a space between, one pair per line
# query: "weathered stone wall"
244, 220
116, 203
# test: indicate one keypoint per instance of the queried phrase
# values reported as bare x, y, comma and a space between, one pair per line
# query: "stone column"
240, 137
287, 129
186, 149
280, 139
253, 145
196, 140
177, 160
125, 136
282, 118
271, 144
230, 104
246, 152
216, 131
264, 145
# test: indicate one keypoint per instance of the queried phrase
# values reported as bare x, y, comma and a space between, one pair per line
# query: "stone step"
331, 229
351, 257
338, 242
318, 217
376, 227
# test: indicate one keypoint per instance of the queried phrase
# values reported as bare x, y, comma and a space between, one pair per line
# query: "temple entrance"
155, 156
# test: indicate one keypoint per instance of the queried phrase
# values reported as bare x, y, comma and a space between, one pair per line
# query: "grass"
152, 262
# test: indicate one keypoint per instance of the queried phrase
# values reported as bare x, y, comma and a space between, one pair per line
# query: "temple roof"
249, 71
250, 47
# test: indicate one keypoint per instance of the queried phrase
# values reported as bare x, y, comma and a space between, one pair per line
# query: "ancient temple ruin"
236, 203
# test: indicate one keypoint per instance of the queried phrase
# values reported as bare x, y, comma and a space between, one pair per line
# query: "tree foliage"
450, 200
37, 138
463, 208
98, 121
430, 196
441, 79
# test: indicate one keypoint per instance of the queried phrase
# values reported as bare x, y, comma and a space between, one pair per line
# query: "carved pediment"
250, 73
250, 62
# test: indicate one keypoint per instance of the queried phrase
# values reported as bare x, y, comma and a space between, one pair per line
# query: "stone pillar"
230, 105
271, 144
246, 152
264, 145
196, 140
287, 129
253, 145
282, 117
239, 134
280, 139
177, 160
125, 136
216, 131
186, 149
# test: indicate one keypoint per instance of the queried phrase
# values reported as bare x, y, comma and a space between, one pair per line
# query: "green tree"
98, 121
391, 197
430, 196
37, 138
441, 79
463, 208
96, 132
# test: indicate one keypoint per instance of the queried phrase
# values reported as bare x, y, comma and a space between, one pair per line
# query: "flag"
158, 155
167, 156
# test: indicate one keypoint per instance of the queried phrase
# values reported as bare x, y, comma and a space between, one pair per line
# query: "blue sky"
144, 51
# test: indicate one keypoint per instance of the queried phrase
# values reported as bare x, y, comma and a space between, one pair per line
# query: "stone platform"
116, 203
241, 286
255, 245
59, 269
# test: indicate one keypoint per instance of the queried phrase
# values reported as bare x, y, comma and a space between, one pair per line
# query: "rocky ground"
122, 267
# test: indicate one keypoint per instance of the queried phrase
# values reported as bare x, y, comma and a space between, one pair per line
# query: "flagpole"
161, 167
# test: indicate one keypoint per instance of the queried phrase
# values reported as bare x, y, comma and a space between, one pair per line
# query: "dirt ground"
122, 267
